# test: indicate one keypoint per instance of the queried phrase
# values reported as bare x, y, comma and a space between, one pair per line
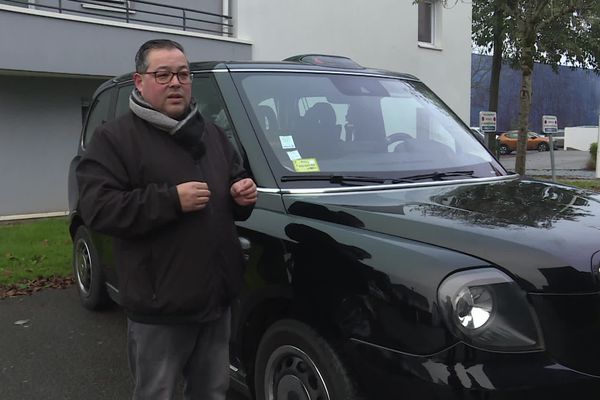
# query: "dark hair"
141, 57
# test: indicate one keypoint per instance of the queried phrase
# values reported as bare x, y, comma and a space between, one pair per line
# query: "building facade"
434, 44
56, 52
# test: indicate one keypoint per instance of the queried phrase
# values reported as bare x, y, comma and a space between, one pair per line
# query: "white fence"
580, 137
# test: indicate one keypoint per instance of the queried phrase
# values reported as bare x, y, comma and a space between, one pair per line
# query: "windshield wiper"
338, 179
434, 176
353, 180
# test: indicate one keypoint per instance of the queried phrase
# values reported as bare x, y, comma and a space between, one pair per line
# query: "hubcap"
292, 375
83, 266
291, 388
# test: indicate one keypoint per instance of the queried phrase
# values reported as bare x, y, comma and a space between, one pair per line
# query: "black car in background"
390, 255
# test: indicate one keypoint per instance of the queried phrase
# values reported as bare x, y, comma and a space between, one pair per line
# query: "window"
123, 100
98, 115
109, 5
110, 2
356, 125
427, 20
211, 105
85, 109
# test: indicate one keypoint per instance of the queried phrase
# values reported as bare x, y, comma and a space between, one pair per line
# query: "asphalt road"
568, 163
51, 348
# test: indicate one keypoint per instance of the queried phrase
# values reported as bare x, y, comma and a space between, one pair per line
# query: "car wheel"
504, 149
295, 362
543, 147
86, 269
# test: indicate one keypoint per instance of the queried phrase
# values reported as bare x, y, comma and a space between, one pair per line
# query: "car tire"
504, 149
543, 147
87, 271
295, 362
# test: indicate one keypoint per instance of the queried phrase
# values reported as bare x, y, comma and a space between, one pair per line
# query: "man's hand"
193, 196
244, 192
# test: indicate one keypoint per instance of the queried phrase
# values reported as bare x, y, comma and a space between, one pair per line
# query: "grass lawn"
589, 184
34, 249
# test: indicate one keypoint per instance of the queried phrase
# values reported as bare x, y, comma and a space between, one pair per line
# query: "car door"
511, 140
532, 141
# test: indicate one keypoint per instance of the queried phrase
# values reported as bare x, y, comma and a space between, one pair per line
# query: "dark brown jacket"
172, 266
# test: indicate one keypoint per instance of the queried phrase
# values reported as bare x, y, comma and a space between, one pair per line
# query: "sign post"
550, 127
487, 124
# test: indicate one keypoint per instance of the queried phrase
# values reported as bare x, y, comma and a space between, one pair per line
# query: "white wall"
580, 137
377, 33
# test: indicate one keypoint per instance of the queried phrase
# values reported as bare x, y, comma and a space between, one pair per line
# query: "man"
167, 186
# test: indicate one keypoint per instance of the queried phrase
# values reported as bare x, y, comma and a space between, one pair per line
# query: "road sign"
550, 124
487, 121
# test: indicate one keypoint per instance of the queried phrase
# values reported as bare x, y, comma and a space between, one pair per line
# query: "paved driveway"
568, 163
62, 351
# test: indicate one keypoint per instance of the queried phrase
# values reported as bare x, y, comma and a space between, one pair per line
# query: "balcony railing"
137, 12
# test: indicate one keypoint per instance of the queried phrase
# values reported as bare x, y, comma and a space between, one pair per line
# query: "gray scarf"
145, 111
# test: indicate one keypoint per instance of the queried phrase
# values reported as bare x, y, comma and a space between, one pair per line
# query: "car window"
400, 115
340, 111
123, 100
98, 114
352, 124
211, 105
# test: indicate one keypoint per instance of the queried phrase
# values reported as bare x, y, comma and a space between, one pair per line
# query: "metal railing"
139, 12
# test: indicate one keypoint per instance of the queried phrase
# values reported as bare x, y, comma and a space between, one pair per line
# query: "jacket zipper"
208, 207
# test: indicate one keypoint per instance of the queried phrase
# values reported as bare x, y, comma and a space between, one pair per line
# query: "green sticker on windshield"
306, 165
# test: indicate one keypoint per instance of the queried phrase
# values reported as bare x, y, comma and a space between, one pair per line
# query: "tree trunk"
495, 79
490, 138
496, 59
528, 40
525, 105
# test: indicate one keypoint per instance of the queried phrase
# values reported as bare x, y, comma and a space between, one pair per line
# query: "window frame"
109, 95
120, 6
433, 20
230, 130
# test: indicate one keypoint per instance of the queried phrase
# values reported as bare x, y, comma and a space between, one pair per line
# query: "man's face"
172, 98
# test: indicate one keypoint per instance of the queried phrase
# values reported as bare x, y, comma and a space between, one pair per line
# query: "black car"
389, 255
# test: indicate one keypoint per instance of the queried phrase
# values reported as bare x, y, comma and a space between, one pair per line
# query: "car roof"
517, 131
265, 66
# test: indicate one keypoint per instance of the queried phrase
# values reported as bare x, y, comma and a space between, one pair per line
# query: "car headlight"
486, 308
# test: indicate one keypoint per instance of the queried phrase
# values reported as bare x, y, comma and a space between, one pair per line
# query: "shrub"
591, 164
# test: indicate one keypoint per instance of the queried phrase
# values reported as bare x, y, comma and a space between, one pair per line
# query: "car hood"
543, 234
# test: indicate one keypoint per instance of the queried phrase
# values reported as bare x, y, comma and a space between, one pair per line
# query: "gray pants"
160, 355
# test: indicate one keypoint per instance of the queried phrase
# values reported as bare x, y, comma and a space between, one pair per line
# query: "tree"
490, 26
553, 32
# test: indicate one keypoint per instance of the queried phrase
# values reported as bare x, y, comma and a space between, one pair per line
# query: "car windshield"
333, 128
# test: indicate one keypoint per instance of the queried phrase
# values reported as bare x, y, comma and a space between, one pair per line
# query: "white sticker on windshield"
287, 142
294, 155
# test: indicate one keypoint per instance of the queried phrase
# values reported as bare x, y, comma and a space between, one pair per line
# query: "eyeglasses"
163, 76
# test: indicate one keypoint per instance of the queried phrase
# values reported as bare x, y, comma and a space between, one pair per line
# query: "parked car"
508, 142
389, 254
558, 139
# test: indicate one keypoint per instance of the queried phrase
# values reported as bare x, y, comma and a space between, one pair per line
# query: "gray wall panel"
39, 129
40, 117
60, 46
163, 12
